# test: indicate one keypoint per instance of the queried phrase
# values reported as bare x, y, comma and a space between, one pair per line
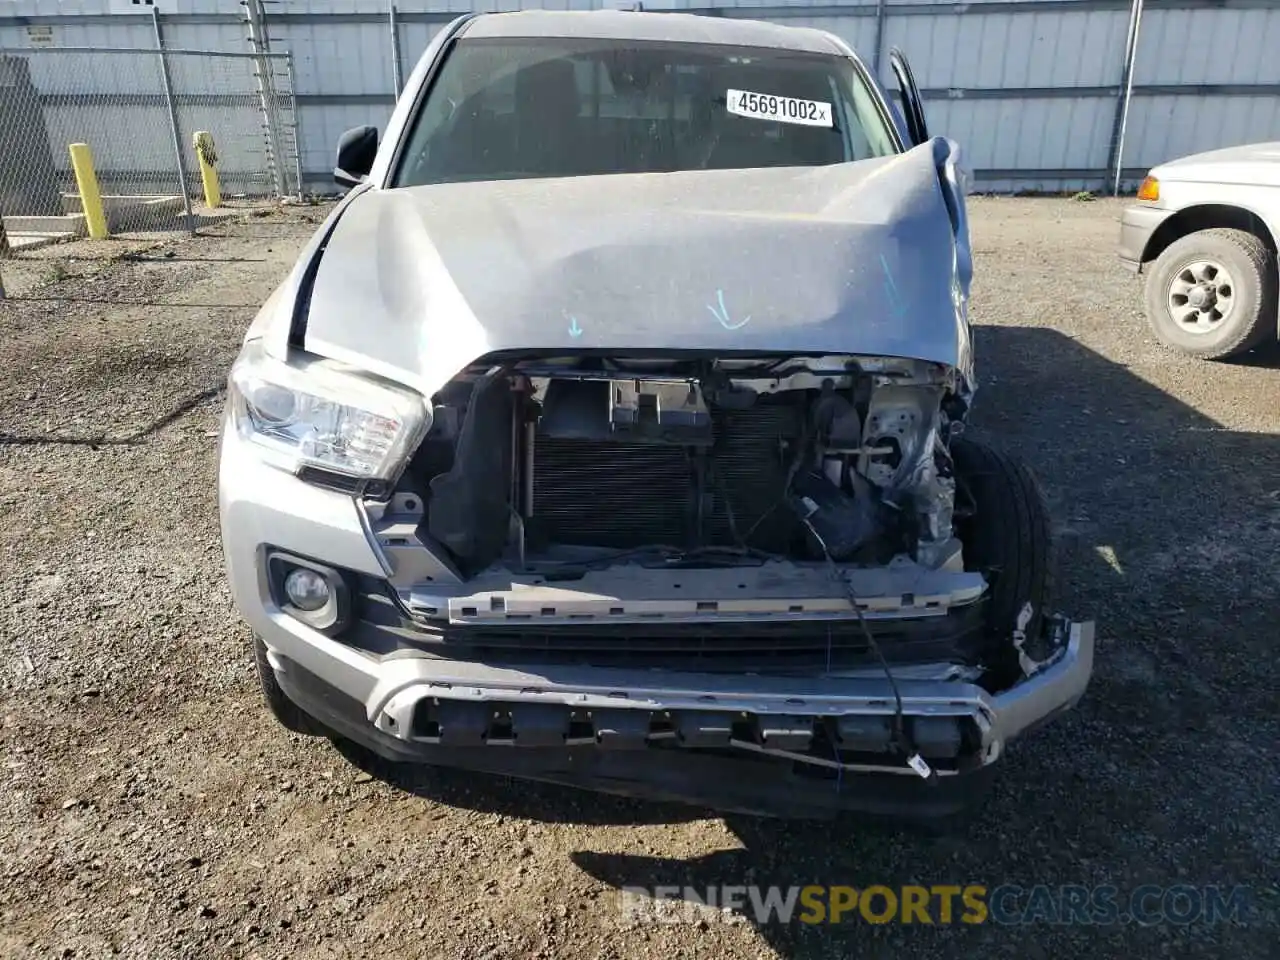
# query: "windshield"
509, 109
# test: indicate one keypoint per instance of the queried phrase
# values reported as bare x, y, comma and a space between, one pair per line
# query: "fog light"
306, 589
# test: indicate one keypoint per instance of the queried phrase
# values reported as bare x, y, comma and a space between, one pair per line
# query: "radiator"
621, 494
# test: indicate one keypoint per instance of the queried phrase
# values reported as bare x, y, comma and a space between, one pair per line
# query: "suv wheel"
1212, 294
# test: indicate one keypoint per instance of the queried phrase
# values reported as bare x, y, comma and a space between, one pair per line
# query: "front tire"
288, 713
1007, 538
1212, 294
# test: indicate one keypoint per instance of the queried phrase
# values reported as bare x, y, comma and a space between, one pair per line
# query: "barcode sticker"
920, 766
767, 106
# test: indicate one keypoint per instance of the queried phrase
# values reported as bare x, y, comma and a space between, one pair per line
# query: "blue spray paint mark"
896, 305
575, 331
722, 315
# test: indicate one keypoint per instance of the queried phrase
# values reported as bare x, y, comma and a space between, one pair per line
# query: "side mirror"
356, 150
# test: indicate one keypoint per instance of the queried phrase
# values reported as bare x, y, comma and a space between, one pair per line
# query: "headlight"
316, 414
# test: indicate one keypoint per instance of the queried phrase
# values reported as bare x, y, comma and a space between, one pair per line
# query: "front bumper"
1137, 224
672, 734
703, 739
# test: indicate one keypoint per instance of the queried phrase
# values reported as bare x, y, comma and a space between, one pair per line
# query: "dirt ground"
151, 808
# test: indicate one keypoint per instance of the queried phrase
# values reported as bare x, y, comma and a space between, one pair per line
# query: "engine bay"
575, 463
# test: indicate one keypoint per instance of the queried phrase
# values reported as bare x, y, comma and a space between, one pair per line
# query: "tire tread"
1253, 256
287, 713
1010, 538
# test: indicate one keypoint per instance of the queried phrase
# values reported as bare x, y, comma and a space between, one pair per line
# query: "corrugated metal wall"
1030, 88
1227, 62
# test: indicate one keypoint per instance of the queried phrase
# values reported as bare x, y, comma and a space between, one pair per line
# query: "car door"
953, 178
907, 107
907, 99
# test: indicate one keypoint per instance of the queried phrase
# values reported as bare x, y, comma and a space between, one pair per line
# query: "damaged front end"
756, 558
687, 510
555, 468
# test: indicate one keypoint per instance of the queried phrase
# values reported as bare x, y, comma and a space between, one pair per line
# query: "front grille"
787, 647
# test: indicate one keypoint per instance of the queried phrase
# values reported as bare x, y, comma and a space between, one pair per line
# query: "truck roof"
670, 27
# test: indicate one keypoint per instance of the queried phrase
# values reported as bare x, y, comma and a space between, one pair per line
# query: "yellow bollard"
90, 196
205, 153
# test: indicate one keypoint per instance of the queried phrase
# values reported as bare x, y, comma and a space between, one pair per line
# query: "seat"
550, 138
746, 142
479, 144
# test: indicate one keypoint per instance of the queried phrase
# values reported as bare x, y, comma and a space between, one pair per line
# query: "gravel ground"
151, 808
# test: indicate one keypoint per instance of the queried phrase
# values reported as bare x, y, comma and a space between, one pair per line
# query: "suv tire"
1190, 264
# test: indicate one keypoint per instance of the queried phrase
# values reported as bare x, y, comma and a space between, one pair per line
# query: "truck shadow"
1167, 526
507, 797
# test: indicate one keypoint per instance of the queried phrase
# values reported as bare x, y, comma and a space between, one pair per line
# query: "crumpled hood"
416, 283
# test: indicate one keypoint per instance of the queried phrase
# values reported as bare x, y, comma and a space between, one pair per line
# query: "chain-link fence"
247, 104
138, 111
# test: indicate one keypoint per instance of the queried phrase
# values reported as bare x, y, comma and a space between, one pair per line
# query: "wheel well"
1205, 217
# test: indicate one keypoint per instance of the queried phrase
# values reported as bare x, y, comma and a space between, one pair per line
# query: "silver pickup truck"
610, 433
1204, 231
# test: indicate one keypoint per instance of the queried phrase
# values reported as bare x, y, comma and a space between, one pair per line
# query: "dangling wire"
899, 725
